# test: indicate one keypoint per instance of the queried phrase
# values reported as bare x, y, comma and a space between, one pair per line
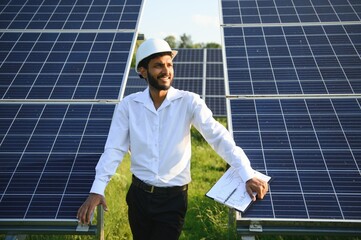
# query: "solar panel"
66, 65
69, 14
293, 59
134, 83
311, 147
59, 63
48, 153
296, 11
293, 83
196, 70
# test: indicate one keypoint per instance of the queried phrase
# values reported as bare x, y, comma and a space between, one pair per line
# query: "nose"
167, 70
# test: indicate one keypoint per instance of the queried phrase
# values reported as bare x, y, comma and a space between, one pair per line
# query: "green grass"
206, 219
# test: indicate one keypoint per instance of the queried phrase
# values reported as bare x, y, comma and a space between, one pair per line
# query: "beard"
155, 84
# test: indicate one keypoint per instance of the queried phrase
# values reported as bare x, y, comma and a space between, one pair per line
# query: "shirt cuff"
246, 173
98, 187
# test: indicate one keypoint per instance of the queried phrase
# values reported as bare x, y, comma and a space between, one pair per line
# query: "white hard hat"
150, 47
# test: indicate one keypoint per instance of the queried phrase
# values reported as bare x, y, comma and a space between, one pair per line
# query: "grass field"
206, 219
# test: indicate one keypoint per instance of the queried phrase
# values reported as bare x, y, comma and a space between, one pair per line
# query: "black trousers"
156, 216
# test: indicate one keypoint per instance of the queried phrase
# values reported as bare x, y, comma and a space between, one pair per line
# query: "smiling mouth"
164, 78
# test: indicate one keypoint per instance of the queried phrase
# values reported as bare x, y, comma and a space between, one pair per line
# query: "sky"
197, 18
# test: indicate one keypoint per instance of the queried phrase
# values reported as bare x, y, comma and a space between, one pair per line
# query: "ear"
143, 72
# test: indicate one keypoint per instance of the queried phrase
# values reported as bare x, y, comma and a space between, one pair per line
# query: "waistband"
153, 189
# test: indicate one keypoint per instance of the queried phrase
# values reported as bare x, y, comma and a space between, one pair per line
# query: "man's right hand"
85, 211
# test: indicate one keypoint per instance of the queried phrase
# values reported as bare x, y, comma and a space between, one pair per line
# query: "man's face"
160, 72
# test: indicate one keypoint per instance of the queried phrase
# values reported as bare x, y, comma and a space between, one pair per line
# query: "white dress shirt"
160, 140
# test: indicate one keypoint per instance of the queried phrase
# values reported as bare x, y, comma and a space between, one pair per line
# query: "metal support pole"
100, 222
231, 224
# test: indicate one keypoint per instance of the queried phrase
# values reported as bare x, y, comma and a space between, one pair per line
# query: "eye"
158, 65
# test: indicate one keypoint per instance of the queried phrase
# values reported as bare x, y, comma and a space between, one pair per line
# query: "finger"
260, 192
85, 212
80, 214
84, 215
250, 193
89, 214
104, 203
263, 190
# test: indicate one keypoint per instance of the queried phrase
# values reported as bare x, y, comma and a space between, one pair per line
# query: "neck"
157, 96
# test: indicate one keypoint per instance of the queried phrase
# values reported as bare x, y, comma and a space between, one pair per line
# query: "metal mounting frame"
14, 227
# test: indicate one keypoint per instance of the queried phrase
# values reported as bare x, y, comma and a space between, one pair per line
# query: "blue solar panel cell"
289, 207
329, 211
14, 205
43, 207
214, 87
340, 160
351, 210
310, 160
214, 55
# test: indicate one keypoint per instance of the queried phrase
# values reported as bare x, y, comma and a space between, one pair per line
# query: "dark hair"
144, 63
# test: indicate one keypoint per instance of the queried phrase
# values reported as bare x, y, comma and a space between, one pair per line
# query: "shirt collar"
172, 94
144, 97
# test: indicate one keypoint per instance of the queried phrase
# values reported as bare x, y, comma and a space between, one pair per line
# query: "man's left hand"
258, 186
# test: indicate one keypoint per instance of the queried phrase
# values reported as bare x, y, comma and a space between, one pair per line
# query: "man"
154, 125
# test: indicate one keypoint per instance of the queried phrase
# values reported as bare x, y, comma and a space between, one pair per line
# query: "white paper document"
230, 190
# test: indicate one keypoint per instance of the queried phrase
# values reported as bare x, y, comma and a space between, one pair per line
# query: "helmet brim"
174, 53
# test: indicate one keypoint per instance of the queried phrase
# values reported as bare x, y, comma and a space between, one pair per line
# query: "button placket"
156, 137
